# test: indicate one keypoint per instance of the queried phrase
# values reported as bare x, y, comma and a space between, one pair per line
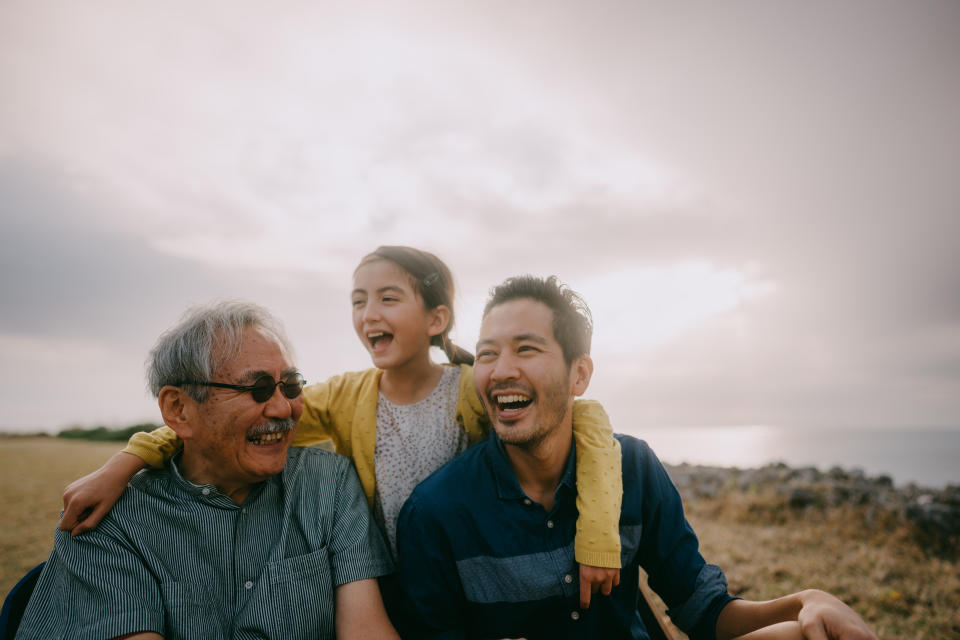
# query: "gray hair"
206, 337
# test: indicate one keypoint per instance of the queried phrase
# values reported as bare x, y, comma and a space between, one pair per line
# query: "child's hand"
593, 579
88, 499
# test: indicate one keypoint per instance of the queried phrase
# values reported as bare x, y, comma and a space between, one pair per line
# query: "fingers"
73, 514
67, 521
594, 580
88, 520
814, 632
606, 586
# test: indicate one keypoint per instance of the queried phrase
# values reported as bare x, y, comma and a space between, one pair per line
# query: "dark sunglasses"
263, 387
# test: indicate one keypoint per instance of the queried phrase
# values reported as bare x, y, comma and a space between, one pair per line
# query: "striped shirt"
479, 559
185, 561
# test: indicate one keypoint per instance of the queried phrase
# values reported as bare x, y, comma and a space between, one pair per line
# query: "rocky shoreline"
934, 511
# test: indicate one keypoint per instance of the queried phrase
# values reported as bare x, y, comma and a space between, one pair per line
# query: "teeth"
268, 438
512, 398
374, 336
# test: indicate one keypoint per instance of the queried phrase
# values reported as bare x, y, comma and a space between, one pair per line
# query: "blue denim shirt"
478, 559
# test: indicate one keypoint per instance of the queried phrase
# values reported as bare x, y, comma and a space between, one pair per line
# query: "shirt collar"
209, 493
508, 488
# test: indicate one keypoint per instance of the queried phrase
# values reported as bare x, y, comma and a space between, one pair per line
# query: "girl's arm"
88, 499
599, 493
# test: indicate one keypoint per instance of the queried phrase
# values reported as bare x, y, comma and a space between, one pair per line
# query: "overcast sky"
760, 200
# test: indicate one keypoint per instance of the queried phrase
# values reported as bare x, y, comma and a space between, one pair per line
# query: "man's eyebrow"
253, 376
522, 337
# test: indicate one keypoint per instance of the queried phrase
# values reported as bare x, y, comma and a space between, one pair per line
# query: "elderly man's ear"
177, 409
581, 370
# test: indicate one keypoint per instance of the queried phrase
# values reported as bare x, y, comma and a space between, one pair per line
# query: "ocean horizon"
926, 457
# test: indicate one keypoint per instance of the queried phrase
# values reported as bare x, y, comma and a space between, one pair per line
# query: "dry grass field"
33, 473
878, 567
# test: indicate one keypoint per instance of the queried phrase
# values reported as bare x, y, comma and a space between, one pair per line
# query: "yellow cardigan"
343, 411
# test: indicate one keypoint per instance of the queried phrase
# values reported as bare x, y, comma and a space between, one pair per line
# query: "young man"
486, 543
239, 536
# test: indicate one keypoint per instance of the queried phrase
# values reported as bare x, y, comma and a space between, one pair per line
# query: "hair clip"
431, 279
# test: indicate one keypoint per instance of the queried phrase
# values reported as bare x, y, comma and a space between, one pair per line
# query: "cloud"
768, 190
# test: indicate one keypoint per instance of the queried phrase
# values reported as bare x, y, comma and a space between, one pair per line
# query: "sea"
925, 457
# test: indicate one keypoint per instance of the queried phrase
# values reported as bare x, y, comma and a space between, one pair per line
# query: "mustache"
276, 425
509, 386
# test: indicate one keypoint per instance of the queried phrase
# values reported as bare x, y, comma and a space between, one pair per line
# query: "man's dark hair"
572, 322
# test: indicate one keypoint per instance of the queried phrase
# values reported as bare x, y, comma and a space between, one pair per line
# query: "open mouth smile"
263, 439
270, 433
510, 405
513, 401
381, 338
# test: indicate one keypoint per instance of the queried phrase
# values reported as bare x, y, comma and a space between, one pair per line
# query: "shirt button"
243, 510
574, 615
568, 578
248, 585
549, 524
206, 491
527, 501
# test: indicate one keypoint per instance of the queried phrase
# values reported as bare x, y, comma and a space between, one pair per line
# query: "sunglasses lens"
292, 386
263, 389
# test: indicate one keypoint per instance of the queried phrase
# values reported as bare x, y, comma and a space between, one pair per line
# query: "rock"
936, 512
936, 515
801, 497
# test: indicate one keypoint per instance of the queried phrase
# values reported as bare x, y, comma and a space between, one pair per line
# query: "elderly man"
239, 536
486, 542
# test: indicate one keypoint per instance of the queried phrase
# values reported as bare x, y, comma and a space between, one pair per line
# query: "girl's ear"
176, 407
581, 370
439, 320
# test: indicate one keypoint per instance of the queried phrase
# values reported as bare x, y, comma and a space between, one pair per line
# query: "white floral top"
413, 441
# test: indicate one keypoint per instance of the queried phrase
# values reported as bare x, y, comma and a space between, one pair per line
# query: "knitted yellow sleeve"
154, 447
599, 486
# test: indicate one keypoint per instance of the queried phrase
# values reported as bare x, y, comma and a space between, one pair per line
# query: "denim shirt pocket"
304, 590
188, 613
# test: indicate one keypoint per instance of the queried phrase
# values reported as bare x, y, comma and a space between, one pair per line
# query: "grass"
878, 565
33, 473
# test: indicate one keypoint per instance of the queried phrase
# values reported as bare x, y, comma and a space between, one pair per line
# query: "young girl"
403, 419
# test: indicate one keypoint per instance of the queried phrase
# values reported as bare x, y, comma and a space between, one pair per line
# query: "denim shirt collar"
508, 487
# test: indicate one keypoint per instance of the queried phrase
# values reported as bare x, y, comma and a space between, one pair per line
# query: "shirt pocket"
304, 590
188, 612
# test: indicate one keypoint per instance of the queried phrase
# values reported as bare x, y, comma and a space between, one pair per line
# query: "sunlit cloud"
765, 232
639, 309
